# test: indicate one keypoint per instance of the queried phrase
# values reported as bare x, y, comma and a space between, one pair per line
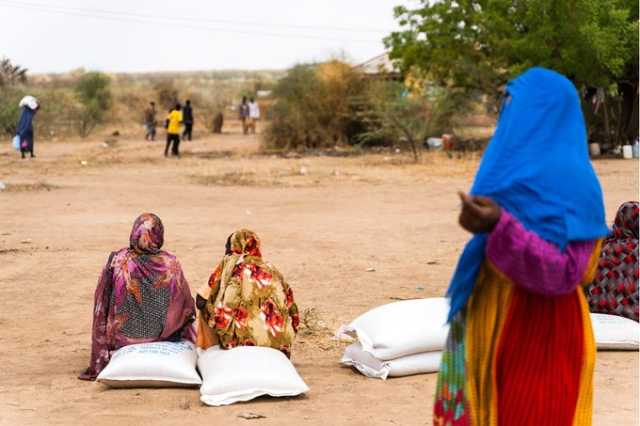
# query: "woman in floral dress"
142, 296
247, 302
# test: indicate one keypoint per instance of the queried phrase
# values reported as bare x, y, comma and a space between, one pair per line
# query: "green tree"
478, 45
94, 93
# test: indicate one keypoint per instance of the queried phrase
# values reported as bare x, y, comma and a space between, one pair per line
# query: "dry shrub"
166, 94
228, 179
313, 107
29, 187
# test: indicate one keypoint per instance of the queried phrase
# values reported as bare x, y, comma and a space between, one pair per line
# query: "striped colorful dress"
522, 352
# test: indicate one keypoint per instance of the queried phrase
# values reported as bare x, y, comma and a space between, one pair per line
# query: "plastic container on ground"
434, 143
627, 152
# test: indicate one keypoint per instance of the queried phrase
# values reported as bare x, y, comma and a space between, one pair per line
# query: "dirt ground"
325, 221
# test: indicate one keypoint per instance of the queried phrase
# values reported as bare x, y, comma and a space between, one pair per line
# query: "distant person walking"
244, 115
254, 115
187, 120
150, 122
174, 123
24, 130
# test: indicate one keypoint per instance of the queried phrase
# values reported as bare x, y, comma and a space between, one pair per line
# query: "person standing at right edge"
187, 119
520, 349
24, 129
174, 122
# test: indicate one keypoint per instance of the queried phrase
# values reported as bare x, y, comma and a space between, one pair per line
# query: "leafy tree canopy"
479, 44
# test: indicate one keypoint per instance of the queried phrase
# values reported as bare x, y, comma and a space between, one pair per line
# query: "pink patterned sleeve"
533, 263
99, 347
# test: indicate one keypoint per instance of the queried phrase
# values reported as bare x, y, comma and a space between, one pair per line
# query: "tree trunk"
629, 113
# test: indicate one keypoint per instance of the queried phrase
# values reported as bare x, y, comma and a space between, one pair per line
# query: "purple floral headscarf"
142, 296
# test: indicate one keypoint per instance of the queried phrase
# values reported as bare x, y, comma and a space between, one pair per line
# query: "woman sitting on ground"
142, 296
247, 301
614, 290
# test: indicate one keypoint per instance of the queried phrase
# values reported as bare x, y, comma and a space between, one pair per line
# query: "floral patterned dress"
248, 302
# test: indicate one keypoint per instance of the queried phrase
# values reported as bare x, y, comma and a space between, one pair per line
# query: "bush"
166, 93
313, 107
11, 74
394, 114
94, 93
320, 106
9, 110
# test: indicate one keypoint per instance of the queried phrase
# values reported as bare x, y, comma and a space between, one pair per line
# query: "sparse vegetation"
320, 106
94, 93
313, 107
11, 74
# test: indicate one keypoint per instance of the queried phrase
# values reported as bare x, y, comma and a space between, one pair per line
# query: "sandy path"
323, 221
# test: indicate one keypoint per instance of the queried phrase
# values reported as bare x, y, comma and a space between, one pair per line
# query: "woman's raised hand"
479, 214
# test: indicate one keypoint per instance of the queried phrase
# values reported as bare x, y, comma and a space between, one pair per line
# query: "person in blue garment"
24, 130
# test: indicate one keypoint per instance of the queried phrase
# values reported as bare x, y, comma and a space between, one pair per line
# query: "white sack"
426, 362
401, 328
29, 101
615, 332
245, 373
158, 364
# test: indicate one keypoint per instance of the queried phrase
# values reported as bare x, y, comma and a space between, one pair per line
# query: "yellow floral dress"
248, 302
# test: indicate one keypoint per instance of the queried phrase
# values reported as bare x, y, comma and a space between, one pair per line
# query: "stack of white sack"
398, 339
615, 333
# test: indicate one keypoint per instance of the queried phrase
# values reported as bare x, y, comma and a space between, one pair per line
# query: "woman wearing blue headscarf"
521, 349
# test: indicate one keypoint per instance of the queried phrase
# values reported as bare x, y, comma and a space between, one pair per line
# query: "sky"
180, 35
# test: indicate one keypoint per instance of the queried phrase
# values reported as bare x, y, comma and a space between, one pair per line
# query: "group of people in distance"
520, 348
249, 113
179, 121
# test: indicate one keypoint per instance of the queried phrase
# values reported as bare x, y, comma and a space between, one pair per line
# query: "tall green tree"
478, 45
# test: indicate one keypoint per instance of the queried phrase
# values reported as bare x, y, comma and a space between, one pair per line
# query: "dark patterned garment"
615, 288
146, 319
142, 296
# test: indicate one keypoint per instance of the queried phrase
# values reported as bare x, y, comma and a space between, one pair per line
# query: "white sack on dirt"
401, 328
615, 332
158, 364
367, 364
245, 373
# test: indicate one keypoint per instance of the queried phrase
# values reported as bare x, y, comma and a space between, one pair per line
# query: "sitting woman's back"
142, 296
247, 301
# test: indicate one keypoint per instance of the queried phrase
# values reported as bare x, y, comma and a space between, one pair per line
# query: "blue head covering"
536, 167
